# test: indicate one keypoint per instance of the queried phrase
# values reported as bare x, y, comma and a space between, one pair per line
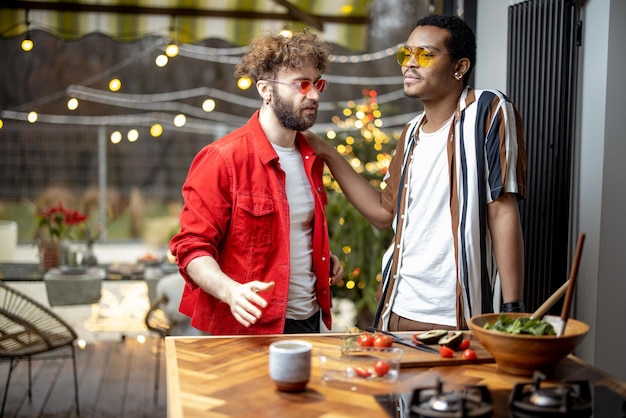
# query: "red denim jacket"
236, 211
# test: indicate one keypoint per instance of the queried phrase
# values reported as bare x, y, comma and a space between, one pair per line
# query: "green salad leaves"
521, 326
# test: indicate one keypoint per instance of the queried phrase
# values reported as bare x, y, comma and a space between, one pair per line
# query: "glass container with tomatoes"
355, 363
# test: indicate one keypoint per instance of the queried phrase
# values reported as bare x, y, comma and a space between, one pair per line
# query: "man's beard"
289, 117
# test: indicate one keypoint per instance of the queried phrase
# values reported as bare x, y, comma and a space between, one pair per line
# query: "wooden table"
228, 376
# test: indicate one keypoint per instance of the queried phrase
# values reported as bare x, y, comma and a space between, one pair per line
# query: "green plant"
359, 247
358, 244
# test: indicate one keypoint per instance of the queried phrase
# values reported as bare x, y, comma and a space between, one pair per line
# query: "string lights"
190, 118
27, 44
171, 50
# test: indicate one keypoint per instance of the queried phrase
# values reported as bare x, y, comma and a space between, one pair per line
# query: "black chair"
157, 320
29, 330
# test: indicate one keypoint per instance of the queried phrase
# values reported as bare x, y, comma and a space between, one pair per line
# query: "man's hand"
321, 147
336, 270
245, 302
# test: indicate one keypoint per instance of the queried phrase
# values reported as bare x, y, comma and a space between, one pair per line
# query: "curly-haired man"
253, 245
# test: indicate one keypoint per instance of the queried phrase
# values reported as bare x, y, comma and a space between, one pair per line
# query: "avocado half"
452, 339
432, 336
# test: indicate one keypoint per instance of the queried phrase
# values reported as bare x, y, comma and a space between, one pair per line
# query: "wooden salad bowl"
523, 354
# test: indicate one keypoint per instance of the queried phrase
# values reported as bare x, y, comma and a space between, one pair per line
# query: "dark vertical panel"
541, 67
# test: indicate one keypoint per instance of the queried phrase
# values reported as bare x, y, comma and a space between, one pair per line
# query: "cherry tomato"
362, 372
446, 352
381, 367
381, 341
365, 339
465, 344
469, 354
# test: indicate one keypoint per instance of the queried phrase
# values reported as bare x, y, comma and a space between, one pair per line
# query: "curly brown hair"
270, 53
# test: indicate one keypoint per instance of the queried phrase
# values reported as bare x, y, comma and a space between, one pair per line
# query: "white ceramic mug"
290, 364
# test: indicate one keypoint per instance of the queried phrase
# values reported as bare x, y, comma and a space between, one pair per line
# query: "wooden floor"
115, 379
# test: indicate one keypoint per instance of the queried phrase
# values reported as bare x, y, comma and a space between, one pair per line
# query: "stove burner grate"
569, 399
469, 402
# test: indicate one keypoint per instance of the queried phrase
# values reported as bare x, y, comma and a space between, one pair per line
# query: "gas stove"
536, 399
469, 402
569, 399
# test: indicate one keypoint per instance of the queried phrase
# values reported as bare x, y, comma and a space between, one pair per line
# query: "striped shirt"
486, 159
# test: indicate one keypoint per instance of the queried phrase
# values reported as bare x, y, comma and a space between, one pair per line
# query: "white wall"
599, 189
491, 45
591, 116
602, 189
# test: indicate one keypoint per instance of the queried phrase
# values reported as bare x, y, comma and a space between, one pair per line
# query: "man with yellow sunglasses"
451, 190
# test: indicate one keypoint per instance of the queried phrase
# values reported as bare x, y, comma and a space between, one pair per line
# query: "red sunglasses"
305, 85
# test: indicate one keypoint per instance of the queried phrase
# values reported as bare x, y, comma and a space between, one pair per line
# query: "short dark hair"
461, 43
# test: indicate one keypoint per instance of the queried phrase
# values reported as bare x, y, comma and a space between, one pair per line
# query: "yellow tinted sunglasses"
422, 55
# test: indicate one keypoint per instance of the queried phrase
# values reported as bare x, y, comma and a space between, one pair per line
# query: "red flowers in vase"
60, 223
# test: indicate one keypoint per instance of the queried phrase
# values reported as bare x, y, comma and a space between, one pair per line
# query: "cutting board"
417, 358
413, 357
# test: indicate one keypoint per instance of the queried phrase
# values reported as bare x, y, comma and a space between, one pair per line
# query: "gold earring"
458, 75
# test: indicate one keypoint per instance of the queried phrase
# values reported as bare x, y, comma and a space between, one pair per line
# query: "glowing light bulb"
32, 117
27, 44
115, 84
180, 120
156, 130
116, 137
72, 104
171, 50
132, 135
1, 123
244, 83
161, 61
208, 105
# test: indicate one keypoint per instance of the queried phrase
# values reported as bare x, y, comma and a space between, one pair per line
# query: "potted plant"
57, 226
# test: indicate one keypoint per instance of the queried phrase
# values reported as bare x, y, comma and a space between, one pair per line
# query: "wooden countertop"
228, 376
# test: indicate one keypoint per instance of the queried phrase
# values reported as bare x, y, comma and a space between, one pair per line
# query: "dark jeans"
303, 326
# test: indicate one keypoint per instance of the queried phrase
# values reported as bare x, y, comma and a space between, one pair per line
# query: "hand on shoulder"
321, 147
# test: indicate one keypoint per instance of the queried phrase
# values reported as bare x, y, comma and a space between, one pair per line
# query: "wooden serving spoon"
558, 323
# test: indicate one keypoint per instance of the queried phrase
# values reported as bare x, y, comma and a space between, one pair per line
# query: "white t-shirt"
427, 276
302, 302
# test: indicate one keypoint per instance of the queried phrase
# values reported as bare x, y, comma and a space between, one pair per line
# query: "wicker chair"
157, 320
29, 330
